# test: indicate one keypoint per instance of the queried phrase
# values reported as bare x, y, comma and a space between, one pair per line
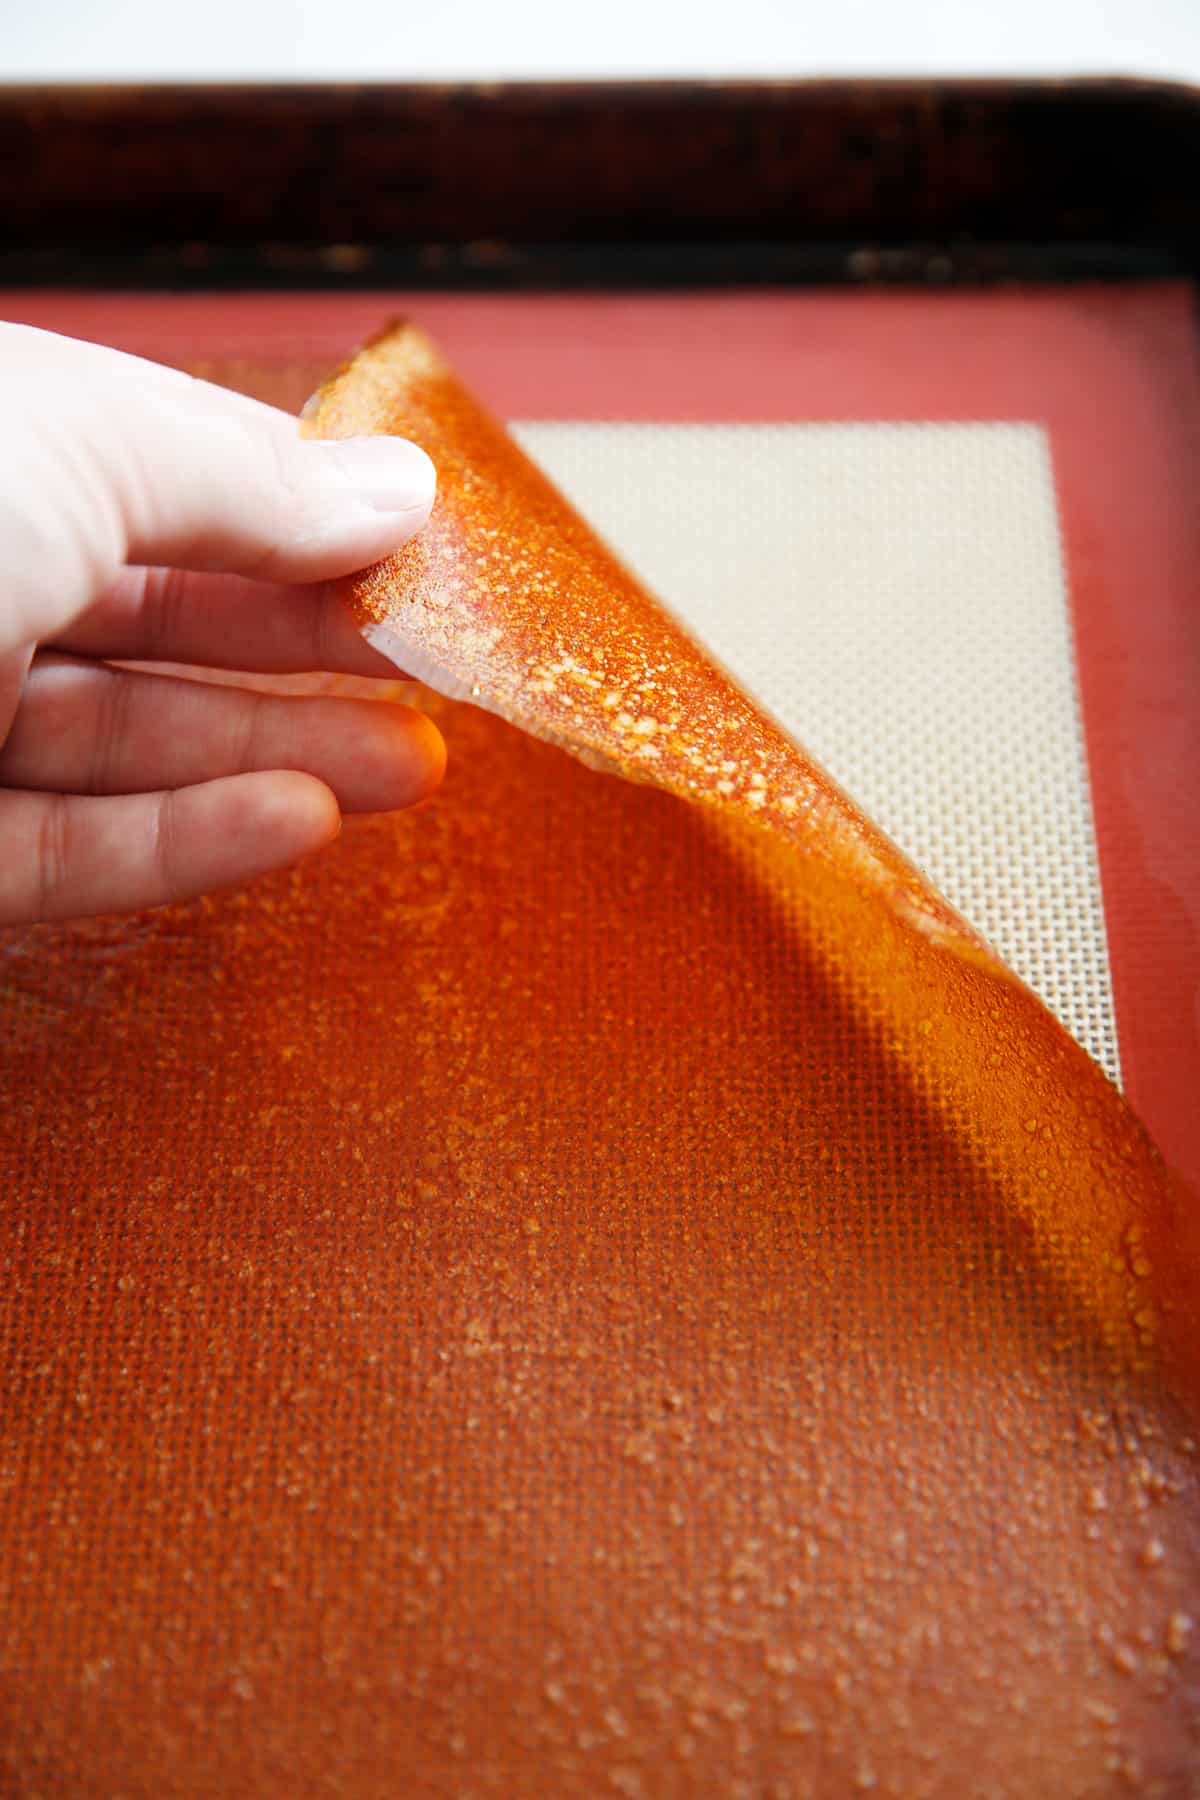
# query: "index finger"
223, 622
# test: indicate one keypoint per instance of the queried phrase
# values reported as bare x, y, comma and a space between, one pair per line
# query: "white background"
441, 39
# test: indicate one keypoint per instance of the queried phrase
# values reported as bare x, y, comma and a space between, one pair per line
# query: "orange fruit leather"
597, 1286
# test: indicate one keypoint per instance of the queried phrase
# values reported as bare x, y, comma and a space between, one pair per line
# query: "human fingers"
107, 460
85, 728
223, 622
70, 856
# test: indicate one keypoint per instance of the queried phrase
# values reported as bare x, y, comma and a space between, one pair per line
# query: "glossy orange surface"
595, 1286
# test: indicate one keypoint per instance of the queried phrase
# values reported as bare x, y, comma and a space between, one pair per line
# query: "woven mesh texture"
894, 594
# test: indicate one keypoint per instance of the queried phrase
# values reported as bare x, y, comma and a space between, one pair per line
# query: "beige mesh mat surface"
895, 595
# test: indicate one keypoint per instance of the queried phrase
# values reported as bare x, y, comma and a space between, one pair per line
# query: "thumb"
106, 459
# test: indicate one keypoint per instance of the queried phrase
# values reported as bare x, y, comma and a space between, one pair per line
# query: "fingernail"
387, 473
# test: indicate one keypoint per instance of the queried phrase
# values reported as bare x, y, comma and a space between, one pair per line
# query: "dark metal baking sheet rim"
596, 185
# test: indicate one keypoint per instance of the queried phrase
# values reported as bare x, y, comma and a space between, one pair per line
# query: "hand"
147, 517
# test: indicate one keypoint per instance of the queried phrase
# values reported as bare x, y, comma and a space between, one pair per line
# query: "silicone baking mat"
950, 541
516, 1307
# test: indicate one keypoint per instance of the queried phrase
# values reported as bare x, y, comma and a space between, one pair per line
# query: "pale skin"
147, 517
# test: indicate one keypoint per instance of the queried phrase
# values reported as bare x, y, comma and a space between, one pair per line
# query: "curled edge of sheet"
508, 600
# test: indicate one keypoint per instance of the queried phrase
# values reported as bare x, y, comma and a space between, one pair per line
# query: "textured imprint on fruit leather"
591, 1286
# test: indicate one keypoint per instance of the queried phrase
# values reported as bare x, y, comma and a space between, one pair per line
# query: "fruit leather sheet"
601, 1285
